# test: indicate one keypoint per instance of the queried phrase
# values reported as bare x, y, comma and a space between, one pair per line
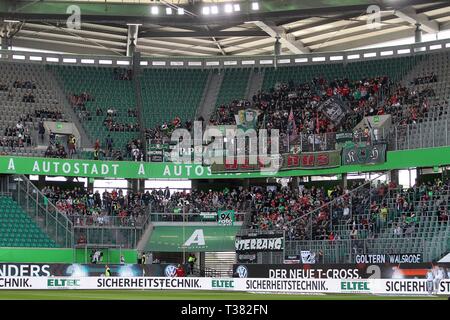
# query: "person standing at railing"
107, 271
384, 211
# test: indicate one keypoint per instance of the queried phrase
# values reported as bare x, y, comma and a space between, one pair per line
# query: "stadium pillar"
295, 183
418, 33
90, 184
4, 43
344, 181
393, 176
136, 185
194, 184
41, 181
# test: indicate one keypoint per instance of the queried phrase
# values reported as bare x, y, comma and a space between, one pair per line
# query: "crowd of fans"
17, 136
161, 133
85, 207
134, 150
48, 114
293, 108
123, 74
25, 84
362, 97
197, 201
361, 213
56, 150
429, 78
115, 126
28, 97
305, 213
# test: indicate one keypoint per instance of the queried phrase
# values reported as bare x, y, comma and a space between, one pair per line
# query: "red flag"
292, 125
317, 123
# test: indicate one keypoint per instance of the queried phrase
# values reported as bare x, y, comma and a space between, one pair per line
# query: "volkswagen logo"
242, 271
170, 270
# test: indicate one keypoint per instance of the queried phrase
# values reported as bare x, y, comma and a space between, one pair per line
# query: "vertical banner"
334, 109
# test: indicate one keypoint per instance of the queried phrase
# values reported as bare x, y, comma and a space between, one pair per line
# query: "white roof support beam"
409, 14
286, 39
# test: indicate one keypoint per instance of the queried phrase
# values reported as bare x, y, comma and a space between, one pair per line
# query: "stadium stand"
233, 86
338, 221
429, 77
85, 207
104, 101
167, 94
17, 229
27, 96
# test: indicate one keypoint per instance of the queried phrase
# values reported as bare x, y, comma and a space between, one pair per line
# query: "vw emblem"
170, 270
242, 271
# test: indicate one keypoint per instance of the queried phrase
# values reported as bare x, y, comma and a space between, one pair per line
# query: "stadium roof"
221, 29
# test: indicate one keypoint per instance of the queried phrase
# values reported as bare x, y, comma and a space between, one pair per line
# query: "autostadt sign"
111, 169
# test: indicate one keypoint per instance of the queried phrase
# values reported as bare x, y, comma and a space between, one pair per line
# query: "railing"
68, 231
247, 231
208, 272
192, 217
101, 236
124, 232
108, 221
344, 251
427, 134
333, 208
37, 206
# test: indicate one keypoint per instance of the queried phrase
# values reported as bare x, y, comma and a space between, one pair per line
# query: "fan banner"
334, 109
259, 243
372, 154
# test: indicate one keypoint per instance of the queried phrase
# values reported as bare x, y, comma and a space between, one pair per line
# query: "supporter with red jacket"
180, 271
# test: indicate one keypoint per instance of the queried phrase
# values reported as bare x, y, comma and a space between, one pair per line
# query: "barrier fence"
323, 286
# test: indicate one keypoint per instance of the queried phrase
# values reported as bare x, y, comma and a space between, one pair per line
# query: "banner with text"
259, 243
364, 286
337, 271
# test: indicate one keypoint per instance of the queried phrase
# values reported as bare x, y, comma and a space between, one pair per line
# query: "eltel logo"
63, 283
222, 283
355, 286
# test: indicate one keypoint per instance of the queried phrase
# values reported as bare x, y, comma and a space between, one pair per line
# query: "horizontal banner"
365, 286
259, 243
427, 157
305, 160
337, 271
372, 154
85, 270
389, 258
343, 137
